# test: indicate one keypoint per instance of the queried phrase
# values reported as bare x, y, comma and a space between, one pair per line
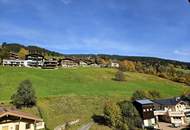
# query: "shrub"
153, 94
141, 94
130, 115
24, 96
120, 76
112, 114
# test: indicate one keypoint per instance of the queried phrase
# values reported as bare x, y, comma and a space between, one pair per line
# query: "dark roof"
144, 101
170, 101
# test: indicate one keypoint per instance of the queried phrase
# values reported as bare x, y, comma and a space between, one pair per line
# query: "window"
147, 109
17, 127
144, 110
27, 126
5, 128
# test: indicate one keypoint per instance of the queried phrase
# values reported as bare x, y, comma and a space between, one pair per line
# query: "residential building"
34, 60
174, 110
68, 62
12, 119
13, 56
83, 64
146, 110
16, 62
50, 64
113, 64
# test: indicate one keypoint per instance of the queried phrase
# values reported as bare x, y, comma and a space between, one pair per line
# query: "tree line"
163, 70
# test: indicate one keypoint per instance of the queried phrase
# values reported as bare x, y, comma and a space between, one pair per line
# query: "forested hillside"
169, 69
16, 47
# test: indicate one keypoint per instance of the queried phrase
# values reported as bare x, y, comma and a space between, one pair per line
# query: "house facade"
50, 64
12, 119
34, 60
173, 110
68, 62
113, 64
17, 62
146, 111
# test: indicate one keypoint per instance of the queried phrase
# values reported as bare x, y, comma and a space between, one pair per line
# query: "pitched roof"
16, 113
170, 101
144, 101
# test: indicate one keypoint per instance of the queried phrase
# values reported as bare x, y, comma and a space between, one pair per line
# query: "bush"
24, 96
120, 76
141, 94
112, 114
130, 115
153, 94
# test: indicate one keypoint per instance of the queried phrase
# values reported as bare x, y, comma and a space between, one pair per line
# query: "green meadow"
78, 93
82, 82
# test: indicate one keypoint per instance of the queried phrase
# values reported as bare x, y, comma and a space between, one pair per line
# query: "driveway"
87, 126
167, 126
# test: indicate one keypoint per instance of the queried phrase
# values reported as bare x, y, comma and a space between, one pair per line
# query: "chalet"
13, 60
12, 119
174, 110
146, 110
113, 64
13, 56
34, 60
50, 64
82, 63
68, 62
17, 62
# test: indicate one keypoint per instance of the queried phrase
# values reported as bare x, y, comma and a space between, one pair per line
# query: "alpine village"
145, 109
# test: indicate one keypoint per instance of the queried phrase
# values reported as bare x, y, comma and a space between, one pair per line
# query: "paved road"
87, 126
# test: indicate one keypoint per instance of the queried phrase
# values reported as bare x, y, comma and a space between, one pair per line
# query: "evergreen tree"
24, 96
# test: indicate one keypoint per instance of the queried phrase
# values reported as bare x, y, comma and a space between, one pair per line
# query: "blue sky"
158, 28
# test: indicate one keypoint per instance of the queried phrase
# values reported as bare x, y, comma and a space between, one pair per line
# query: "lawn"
82, 82
79, 93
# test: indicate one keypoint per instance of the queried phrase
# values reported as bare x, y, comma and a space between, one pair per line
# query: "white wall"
22, 126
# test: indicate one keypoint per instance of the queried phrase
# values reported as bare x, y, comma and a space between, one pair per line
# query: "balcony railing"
160, 112
176, 114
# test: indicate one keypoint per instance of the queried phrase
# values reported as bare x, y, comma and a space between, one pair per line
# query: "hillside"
15, 47
79, 93
70, 94
82, 81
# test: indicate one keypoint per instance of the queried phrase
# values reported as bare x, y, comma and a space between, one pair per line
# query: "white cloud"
182, 52
66, 2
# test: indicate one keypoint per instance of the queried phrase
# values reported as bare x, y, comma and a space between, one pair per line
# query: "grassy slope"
70, 94
82, 81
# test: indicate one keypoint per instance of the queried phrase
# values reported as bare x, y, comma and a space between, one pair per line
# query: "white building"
15, 120
173, 111
83, 64
16, 62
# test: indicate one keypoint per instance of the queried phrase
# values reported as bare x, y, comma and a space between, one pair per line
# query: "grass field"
82, 82
70, 94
